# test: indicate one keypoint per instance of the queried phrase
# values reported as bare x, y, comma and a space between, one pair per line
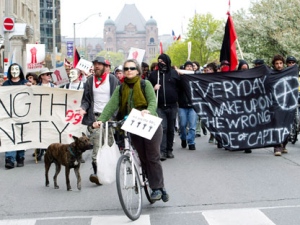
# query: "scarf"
139, 100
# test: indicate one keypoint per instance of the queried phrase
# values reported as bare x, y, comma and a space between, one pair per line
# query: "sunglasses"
129, 68
291, 62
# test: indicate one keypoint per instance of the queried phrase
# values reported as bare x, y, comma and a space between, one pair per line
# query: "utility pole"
53, 35
7, 13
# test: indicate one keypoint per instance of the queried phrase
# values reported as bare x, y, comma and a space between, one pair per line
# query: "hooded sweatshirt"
9, 82
169, 80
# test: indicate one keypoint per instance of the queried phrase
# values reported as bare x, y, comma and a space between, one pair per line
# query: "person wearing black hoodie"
166, 81
15, 76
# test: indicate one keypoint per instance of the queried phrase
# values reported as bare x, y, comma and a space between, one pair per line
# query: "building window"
15, 7
151, 40
23, 10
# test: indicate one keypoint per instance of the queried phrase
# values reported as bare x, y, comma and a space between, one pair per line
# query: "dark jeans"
149, 154
168, 116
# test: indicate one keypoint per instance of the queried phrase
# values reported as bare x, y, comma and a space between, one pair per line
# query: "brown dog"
68, 155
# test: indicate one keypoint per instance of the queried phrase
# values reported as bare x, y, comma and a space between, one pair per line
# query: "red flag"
161, 48
76, 58
173, 35
228, 50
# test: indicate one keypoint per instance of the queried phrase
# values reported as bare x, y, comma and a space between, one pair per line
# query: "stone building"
130, 29
26, 14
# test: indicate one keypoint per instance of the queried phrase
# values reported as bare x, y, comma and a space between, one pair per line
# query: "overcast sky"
169, 15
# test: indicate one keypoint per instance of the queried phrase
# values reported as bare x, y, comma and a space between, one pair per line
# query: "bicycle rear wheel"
129, 188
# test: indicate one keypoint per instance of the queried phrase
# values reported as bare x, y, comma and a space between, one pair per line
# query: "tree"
115, 58
205, 33
269, 28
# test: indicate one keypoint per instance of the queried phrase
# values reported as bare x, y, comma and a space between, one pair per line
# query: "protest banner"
35, 117
245, 109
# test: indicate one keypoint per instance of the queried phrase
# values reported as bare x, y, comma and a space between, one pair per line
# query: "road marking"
119, 220
237, 217
18, 222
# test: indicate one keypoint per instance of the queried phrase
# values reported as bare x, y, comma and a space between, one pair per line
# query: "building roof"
130, 14
151, 21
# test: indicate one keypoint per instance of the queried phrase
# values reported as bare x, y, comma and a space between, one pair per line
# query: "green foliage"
205, 34
115, 58
269, 28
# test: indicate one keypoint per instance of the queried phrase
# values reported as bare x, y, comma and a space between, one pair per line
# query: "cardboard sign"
84, 65
60, 76
144, 126
137, 54
35, 57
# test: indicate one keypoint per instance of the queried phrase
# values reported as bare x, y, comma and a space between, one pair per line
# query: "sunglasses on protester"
129, 68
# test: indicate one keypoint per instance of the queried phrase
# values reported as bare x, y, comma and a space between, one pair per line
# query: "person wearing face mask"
75, 82
15, 76
166, 81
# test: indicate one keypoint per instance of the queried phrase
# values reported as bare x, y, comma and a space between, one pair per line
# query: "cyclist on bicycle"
134, 97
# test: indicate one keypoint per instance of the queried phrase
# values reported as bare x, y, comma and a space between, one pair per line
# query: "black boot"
94, 177
40, 153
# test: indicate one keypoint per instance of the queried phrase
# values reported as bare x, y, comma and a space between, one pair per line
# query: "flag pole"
239, 47
237, 41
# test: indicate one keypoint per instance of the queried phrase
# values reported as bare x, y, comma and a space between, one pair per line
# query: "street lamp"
74, 24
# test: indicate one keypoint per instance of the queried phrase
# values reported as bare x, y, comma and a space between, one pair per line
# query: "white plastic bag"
107, 159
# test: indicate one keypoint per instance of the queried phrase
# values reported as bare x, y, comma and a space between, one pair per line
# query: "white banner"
144, 126
35, 117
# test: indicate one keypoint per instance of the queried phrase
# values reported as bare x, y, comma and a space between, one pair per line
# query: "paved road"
209, 186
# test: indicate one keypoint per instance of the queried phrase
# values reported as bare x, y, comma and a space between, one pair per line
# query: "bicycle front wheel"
129, 188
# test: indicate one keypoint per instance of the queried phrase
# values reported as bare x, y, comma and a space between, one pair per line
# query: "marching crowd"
158, 96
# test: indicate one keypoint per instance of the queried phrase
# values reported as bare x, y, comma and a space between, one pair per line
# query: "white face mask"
73, 75
15, 71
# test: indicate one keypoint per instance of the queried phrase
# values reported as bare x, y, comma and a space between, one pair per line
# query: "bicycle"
295, 128
130, 178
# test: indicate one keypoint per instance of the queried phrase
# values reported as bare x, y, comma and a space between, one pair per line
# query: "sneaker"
204, 131
20, 162
165, 196
9, 164
211, 139
163, 156
183, 143
156, 195
192, 147
277, 151
94, 179
284, 150
248, 151
170, 155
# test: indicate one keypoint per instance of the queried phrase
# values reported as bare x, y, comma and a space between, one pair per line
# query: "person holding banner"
45, 78
97, 92
133, 96
187, 116
166, 82
15, 76
278, 65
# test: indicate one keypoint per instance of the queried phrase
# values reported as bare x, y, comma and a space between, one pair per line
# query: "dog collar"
70, 149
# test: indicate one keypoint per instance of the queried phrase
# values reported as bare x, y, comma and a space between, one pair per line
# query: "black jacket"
169, 81
87, 101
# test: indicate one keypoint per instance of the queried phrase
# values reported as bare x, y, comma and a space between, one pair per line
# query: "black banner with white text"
246, 109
